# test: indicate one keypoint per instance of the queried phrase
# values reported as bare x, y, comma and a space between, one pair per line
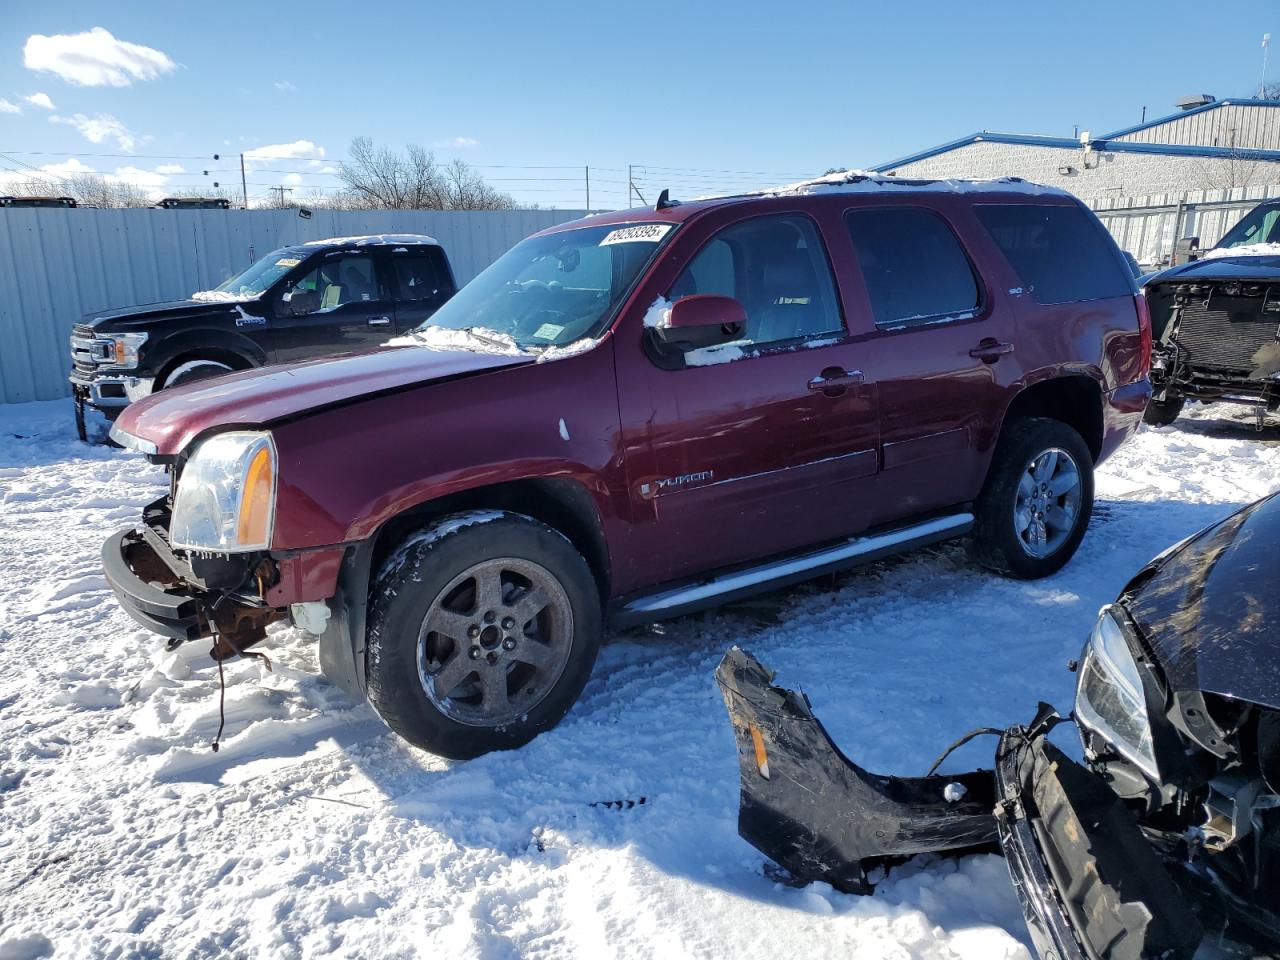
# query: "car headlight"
1110, 698
226, 495
120, 349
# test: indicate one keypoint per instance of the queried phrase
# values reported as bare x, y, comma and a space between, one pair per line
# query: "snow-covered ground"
315, 832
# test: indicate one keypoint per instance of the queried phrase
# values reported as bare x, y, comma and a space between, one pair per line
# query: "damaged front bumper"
1088, 882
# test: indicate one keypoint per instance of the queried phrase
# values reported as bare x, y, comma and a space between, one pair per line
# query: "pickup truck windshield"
1260, 225
550, 291
258, 278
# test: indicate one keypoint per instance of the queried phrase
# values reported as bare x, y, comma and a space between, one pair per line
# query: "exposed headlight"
226, 495
120, 349
1110, 699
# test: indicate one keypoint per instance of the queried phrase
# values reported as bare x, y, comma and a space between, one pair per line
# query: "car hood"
1219, 268
126, 318
171, 419
1210, 608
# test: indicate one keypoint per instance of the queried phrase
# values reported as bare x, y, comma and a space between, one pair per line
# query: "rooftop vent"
36, 202
193, 203
1194, 100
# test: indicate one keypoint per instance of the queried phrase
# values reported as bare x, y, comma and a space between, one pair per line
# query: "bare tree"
1269, 91
378, 178
87, 189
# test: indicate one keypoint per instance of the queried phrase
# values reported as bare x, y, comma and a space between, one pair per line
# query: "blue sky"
683, 90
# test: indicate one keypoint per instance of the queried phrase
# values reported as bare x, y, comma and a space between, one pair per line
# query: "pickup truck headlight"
120, 349
226, 495
1110, 698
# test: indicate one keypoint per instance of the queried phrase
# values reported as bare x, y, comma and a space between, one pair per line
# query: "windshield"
258, 278
551, 291
1261, 225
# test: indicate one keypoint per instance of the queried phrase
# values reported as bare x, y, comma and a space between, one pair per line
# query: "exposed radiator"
1229, 334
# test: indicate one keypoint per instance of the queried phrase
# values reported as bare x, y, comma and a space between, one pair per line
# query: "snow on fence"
58, 264
1148, 227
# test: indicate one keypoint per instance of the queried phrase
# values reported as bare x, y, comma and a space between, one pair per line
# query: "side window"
421, 276
1060, 253
777, 268
914, 267
337, 281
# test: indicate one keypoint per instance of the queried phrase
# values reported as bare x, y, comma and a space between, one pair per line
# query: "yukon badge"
653, 488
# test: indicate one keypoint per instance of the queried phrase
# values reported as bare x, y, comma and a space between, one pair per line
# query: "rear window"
1061, 254
914, 267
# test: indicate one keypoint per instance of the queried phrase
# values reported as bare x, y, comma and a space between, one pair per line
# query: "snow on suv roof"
850, 181
374, 239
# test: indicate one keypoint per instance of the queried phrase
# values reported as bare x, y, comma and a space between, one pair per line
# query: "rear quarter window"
1060, 253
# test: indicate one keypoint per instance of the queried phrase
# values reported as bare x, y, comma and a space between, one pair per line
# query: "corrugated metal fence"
1148, 227
57, 265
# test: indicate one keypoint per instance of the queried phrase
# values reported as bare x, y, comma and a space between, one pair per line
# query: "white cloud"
293, 179
298, 150
154, 182
170, 168
456, 143
94, 58
284, 86
7, 106
40, 100
100, 129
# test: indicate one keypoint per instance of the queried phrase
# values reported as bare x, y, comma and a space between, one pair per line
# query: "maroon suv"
637, 415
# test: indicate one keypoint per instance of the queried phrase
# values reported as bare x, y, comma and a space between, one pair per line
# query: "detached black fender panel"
819, 815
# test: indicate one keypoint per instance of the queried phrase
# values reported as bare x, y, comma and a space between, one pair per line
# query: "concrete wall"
1096, 174
56, 265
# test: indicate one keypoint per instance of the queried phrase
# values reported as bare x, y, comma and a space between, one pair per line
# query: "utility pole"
586, 175
1266, 45
281, 191
244, 187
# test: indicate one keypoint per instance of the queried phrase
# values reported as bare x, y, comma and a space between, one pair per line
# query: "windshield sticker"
643, 233
288, 262
548, 331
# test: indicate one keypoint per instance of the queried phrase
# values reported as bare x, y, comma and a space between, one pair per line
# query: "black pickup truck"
310, 300
1216, 322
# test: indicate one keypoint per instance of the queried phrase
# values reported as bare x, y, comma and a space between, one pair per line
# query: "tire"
193, 370
501, 683
1161, 413
1003, 539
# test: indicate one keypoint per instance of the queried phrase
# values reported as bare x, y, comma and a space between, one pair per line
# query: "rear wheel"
483, 630
193, 370
1161, 413
1035, 507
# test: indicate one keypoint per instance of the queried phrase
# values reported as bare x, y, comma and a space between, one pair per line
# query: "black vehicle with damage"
1164, 842
306, 300
1216, 322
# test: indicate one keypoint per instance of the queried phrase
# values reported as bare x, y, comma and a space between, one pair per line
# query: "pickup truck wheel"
1161, 413
194, 370
483, 629
1035, 507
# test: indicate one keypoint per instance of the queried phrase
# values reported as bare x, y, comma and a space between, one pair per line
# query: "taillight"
1144, 330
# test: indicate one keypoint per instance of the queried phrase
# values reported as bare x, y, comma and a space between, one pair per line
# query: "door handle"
835, 380
990, 350
379, 321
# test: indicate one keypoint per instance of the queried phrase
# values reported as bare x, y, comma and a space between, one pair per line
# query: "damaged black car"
1164, 842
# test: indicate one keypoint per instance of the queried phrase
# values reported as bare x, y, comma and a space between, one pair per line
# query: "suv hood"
125, 318
1210, 608
171, 419
1220, 268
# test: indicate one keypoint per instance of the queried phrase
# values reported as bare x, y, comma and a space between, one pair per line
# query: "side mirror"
298, 303
1186, 250
702, 320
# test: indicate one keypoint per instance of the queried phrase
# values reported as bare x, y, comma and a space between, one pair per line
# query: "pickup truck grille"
82, 351
1228, 333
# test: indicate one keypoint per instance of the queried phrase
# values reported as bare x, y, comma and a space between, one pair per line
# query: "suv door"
941, 350
346, 308
421, 282
762, 445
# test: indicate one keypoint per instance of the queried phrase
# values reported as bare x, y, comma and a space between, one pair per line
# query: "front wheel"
1034, 509
483, 629
1161, 413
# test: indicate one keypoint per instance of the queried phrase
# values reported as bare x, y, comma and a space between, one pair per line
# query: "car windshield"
1261, 225
258, 278
553, 290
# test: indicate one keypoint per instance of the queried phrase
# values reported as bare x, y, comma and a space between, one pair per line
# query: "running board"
773, 574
